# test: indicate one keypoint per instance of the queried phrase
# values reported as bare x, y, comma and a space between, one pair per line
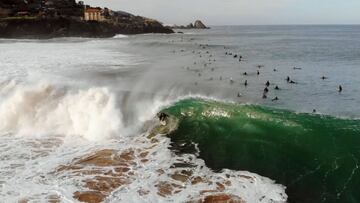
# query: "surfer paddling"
340, 89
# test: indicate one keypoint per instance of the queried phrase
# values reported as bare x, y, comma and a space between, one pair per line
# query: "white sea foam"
7, 86
70, 120
48, 119
46, 109
119, 36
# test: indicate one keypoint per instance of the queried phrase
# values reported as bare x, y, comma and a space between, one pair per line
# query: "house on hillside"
93, 14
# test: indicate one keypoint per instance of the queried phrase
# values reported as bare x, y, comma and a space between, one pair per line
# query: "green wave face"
315, 157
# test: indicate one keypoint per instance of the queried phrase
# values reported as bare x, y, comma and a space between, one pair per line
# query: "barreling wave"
316, 157
97, 114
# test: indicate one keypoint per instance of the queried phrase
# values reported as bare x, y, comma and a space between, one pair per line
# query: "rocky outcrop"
139, 25
197, 25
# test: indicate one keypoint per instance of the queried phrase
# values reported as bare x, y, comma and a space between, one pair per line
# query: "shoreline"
66, 27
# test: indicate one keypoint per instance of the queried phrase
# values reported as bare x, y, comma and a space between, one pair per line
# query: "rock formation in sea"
198, 24
66, 18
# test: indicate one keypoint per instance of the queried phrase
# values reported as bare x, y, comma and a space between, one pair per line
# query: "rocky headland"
67, 18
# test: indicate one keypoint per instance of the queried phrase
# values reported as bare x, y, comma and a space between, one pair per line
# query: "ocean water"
316, 157
66, 98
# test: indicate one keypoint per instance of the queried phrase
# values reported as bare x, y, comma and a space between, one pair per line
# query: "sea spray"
47, 109
64, 117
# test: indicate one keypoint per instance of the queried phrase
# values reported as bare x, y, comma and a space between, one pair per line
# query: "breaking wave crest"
137, 168
47, 109
315, 156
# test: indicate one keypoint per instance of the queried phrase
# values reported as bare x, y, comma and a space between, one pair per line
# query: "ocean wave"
316, 151
85, 149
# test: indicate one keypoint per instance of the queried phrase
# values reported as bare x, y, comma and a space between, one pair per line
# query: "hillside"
65, 18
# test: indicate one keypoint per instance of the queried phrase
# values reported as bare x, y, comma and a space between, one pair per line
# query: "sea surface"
67, 98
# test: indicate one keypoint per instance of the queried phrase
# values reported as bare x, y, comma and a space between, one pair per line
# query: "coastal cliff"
39, 20
65, 27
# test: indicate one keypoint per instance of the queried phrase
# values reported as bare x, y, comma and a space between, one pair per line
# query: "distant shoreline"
39, 20
64, 27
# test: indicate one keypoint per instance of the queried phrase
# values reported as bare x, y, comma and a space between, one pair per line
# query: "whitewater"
78, 117
55, 107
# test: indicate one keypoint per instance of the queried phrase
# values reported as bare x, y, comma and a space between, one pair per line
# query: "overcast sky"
241, 12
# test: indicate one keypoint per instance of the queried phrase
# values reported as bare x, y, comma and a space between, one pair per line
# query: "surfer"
258, 72
288, 79
238, 95
245, 73
275, 99
267, 84
324, 78
264, 96
277, 87
266, 90
246, 83
340, 88
292, 82
162, 116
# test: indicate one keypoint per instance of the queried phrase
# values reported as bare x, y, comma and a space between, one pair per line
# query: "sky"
240, 12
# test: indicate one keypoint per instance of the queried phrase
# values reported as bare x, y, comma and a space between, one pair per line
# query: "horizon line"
298, 24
